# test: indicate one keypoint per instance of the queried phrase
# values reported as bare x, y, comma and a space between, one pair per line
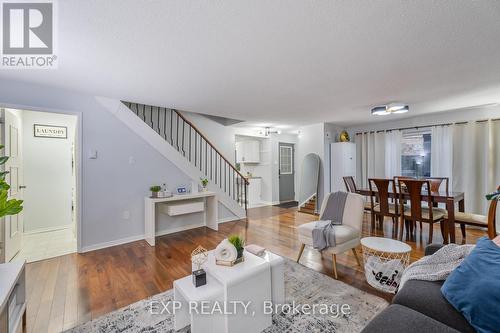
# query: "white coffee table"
256, 280
384, 261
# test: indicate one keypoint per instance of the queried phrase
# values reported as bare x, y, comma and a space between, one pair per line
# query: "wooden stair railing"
189, 141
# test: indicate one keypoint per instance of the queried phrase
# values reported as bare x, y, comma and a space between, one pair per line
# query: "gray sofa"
420, 307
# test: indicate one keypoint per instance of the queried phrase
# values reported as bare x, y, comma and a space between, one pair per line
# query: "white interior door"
13, 148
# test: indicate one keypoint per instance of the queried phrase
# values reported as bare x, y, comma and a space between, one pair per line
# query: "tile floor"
46, 245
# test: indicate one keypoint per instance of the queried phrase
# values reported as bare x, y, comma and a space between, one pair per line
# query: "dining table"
450, 199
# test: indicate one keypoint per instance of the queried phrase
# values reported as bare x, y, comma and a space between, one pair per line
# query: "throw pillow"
472, 288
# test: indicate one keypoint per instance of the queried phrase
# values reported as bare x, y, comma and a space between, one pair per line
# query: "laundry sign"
48, 131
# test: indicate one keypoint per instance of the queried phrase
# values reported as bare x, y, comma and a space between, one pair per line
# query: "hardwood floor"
72, 289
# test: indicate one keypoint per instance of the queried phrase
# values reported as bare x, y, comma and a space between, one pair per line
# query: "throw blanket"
438, 266
323, 233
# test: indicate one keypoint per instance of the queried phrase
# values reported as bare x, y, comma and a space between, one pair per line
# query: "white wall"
47, 173
219, 135
311, 140
116, 182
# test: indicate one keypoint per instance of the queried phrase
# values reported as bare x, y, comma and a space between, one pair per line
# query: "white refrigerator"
342, 164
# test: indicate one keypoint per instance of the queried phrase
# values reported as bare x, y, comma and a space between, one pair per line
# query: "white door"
13, 148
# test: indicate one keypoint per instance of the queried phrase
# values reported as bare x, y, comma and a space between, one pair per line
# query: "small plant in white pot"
155, 189
204, 184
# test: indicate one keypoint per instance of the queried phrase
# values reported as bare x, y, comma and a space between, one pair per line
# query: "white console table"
210, 211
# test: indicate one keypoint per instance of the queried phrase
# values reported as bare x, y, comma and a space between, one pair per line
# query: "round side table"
384, 260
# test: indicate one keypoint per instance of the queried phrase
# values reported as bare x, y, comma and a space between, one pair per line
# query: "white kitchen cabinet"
342, 164
254, 192
248, 152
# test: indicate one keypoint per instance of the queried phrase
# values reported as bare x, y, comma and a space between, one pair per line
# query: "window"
416, 154
286, 160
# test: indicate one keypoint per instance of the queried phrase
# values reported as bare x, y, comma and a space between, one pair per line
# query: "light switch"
93, 154
131, 160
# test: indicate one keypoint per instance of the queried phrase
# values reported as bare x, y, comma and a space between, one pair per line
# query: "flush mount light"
380, 111
389, 109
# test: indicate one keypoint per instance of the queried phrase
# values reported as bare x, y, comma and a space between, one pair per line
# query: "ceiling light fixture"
389, 109
268, 131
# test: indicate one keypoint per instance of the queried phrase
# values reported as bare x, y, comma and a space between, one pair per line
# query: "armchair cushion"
348, 231
343, 233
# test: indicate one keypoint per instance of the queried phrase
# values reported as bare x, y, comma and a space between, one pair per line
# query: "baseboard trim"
229, 219
269, 203
126, 240
42, 230
115, 242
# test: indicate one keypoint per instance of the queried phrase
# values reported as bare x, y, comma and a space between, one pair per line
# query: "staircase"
197, 150
309, 207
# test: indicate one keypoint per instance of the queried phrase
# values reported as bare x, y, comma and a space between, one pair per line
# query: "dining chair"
436, 183
350, 186
477, 220
396, 182
383, 207
416, 211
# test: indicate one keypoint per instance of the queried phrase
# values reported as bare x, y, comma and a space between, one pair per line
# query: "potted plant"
204, 183
155, 189
238, 243
7, 206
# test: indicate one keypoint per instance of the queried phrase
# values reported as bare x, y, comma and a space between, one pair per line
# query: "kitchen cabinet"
248, 152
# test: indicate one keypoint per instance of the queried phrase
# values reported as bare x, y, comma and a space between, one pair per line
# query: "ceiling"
280, 61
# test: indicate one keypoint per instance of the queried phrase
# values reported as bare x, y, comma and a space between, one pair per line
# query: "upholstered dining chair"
347, 235
477, 220
383, 207
351, 187
416, 211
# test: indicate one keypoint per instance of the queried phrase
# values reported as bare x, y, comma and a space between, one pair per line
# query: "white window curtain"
393, 142
442, 153
476, 162
379, 155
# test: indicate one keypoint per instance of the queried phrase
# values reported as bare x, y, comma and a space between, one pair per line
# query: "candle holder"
198, 257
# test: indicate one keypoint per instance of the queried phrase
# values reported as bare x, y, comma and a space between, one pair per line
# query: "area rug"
302, 286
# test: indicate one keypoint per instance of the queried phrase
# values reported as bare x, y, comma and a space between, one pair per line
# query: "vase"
154, 194
240, 253
204, 189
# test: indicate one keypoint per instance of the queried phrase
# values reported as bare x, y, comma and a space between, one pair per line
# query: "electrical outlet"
126, 215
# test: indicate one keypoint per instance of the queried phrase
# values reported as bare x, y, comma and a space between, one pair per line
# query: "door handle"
22, 186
